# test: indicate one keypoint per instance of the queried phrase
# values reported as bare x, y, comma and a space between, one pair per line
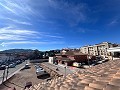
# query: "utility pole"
89, 57
65, 71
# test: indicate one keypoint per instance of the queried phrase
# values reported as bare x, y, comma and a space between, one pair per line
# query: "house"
67, 57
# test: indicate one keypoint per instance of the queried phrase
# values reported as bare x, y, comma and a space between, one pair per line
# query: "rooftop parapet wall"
51, 70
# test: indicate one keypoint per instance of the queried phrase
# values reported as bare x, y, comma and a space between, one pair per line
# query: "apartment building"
98, 49
84, 49
115, 52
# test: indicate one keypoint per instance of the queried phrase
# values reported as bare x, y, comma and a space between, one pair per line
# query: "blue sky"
56, 24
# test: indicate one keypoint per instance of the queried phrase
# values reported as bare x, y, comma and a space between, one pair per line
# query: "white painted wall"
51, 60
115, 49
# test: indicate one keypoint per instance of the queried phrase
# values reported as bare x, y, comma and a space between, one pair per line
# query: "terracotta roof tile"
111, 87
63, 88
51, 88
115, 82
98, 84
117, 76
80, 88
90, 88
87, 81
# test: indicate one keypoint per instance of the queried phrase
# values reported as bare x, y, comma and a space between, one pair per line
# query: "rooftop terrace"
105, 76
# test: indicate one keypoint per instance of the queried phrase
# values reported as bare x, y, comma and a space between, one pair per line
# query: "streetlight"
65, 71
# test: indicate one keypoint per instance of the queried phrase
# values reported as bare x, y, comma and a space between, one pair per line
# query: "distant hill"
17, 51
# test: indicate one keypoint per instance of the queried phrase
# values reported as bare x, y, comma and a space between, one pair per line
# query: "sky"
56, 24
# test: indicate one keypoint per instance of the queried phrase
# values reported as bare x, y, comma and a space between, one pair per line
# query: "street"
21, 77
11, 72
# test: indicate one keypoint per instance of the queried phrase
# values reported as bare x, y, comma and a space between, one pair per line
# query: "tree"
35, 55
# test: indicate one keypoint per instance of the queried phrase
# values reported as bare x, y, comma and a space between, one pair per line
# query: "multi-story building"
98, 49
115, 51
90, 50
84, 49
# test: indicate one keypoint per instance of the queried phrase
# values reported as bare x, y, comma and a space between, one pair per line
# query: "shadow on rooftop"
45, 76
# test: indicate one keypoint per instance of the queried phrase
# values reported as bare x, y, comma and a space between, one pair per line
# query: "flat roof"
114, 49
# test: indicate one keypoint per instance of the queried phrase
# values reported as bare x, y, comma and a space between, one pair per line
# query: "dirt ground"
19, 80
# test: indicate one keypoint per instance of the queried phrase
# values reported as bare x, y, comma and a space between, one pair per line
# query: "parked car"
40, 71
77, 64
37, 66
100, 62
12, 65
2, 67
18, 62
27, 66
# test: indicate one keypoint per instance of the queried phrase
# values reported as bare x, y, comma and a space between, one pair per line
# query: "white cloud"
17, 7
7, 8
21, 42
73, 13
52, 36
29, 42
17, 32
19, 22
11, 37
9, 33
17, 12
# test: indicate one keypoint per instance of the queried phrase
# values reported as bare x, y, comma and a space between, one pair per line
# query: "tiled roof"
65, 59
71, 53
105, 76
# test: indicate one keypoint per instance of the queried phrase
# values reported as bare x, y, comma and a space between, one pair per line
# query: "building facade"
69, 57
115, 51
98, 49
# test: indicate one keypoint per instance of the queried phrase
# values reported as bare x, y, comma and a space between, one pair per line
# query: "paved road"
11, 71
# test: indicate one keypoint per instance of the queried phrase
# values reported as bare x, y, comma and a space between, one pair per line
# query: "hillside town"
60, 66
59, 44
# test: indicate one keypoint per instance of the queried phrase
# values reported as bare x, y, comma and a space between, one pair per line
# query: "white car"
40, 71
27, 66
75, 64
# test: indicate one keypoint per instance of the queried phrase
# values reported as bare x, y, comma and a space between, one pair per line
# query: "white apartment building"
115, 51
84, 49
98, 49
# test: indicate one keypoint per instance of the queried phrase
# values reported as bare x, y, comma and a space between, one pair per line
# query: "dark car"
2, 67
37, 66
18, 62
